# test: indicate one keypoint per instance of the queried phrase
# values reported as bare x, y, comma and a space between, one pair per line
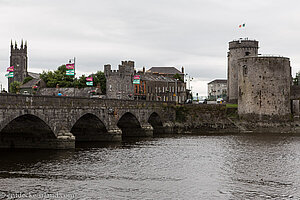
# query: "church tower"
18, 59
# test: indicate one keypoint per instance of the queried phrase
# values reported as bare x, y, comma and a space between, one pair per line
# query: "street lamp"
189, 79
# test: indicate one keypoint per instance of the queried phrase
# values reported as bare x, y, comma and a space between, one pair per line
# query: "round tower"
237, 49
264, 88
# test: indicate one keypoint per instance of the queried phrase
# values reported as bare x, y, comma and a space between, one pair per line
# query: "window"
247, 53
245, 70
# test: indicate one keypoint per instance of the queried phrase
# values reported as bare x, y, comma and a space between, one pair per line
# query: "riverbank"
224, 119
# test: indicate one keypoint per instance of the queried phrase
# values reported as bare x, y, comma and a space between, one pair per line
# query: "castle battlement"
126, 68
244, 43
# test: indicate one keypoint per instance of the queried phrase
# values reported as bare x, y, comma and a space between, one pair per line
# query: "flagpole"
74, 77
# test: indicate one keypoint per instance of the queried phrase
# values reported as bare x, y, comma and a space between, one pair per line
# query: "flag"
70, 72
136, 77
89, 78
9, 75
136, 81
90, 83
10, 69
242, 25
70, 66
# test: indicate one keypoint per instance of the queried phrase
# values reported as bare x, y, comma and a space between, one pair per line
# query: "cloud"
193, 33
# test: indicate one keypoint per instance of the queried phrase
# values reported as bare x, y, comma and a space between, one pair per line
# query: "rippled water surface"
250, 166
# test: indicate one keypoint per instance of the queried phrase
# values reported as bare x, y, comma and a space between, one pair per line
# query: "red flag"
70, 66
89, 78
10, 69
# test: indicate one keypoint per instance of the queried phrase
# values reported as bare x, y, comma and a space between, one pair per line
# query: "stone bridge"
57, 122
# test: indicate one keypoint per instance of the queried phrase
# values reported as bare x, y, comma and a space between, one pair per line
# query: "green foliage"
27, 79
296, 79
99, 78
177, 76
59, 77
15, 87
231, 105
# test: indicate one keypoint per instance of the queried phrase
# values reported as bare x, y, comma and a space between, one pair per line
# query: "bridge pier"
147, 130
114, 134
168, 128
65, 140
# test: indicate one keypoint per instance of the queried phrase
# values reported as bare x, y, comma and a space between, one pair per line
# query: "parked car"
220, 100
189, 101
202, 101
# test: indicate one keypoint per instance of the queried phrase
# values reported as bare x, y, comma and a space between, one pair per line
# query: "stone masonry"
237, 49
264, 87
119, 83
54, 122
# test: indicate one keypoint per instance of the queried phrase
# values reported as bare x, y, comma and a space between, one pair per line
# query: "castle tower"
237, 49
18, 59
264, 88
119, 83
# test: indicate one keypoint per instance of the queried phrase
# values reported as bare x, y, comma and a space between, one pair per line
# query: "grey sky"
189, 33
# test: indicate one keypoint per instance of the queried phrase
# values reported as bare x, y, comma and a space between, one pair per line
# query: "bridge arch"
130, 125
156, 122
26, 131
89, 128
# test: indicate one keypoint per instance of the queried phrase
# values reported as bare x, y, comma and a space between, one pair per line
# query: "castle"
261, 85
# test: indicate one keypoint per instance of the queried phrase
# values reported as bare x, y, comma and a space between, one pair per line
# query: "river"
244, 166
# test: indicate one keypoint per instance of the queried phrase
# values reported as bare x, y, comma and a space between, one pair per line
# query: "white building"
217, 89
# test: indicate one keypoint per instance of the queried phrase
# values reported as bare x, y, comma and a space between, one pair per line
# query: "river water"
246, 166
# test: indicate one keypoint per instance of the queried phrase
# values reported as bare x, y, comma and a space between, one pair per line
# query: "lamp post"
176, 92
189, 79
70, 61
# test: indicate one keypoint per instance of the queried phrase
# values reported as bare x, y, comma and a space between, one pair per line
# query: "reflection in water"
252, 166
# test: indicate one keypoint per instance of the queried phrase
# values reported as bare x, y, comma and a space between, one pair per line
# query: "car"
202, 101
220, 100
188, 101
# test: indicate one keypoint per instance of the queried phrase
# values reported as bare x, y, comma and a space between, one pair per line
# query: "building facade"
154, 87
217, 89
151, 86
18, 59
237, 49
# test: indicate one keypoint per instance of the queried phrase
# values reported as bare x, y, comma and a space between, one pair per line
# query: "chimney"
182, 69
144, 70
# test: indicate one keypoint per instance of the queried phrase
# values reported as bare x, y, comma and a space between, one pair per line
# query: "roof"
34, 75
218, 81
30, 83
150, 77
164, 70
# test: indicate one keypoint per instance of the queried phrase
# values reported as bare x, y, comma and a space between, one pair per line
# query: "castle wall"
264, 88
237, 50
119, 83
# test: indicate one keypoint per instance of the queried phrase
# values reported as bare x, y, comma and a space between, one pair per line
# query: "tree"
178, 77
15, 87
296, 79
59, 77
99, 78
27, 79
